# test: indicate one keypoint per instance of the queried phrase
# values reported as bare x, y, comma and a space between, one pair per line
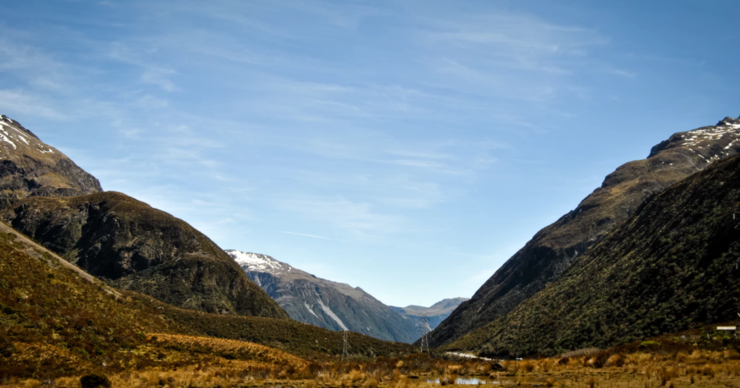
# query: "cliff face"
671, 267
134, 246
555, 248
30, 167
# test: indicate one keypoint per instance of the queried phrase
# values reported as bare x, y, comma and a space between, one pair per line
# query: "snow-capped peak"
257, 262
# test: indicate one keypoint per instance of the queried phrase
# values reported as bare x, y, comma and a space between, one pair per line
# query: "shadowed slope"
671, 267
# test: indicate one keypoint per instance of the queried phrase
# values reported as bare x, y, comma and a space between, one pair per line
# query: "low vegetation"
698, 368
56, 321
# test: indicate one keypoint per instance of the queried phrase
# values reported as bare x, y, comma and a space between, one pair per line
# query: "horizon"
405, 149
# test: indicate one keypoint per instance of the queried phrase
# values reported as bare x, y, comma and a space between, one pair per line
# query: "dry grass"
259, 366
228, 349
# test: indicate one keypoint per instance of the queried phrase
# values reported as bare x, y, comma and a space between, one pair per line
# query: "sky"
405, 147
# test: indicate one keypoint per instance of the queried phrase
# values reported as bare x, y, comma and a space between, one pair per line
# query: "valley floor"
639, 370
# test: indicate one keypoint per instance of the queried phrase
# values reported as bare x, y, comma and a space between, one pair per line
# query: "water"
468, 381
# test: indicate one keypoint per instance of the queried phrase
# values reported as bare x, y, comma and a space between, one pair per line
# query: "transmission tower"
345, 345
424, 333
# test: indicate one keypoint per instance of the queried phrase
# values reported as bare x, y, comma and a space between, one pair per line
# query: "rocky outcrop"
555, 248
133, 246
29, 167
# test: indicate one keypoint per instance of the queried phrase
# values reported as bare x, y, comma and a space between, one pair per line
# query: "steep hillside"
57, 320
327, 304
671, 267
434, 315
29, 167
136, 247
553, 249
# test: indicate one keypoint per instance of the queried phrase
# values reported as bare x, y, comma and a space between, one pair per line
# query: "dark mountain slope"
324, 303
57, 320
552, 250
29, 167
136, 247
671, 267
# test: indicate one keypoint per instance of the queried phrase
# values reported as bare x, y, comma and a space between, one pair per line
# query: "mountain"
555, 248
115, 237
57, 320
434, 315
672, 266
29, 167
136, 247
324, 303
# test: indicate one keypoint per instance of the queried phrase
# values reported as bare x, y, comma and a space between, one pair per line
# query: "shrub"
94, 381
615, 360
649, 345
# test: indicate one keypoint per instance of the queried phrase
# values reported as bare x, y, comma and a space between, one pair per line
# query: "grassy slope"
669, 268
57, 320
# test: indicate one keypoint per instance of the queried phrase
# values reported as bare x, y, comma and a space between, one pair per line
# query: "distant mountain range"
529, 290
337, 306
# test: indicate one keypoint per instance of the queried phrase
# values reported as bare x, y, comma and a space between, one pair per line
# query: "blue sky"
405, 147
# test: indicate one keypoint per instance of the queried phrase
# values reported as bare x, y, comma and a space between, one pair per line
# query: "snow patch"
333, 316
7, 140
310, 310
257, 262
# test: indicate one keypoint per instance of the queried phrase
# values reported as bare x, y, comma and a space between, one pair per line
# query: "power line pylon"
345, 345
424, 333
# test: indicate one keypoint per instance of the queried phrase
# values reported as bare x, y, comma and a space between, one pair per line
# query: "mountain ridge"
30, 167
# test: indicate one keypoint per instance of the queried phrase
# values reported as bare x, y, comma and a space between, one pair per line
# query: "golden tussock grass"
258, 366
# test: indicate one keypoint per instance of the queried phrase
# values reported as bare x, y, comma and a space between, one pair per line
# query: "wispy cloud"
30, 104
307, 235
358, 220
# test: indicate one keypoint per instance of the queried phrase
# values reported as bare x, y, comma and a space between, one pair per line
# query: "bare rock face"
555, 248
30, 167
